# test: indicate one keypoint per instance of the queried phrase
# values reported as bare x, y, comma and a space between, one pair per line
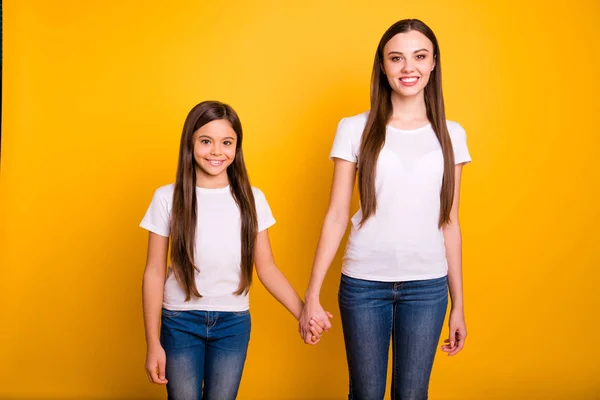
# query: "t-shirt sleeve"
459, 144
263, 211
344, 144
158, 216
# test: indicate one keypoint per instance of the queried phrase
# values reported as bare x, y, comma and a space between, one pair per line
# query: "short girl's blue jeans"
206, 351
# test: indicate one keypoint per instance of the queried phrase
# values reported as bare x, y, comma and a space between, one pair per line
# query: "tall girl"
404, 250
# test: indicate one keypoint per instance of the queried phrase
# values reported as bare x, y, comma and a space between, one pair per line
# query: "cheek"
200, 152
230, 154
426, 73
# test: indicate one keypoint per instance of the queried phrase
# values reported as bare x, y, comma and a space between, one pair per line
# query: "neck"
206, 181
408, 109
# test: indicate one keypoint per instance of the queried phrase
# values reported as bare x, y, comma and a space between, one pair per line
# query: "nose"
216, 151
408, 66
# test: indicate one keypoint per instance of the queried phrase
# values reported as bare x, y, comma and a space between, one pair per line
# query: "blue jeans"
204, 347
412, 314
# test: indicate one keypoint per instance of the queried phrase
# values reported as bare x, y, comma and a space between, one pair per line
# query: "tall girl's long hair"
373, 137
184, 211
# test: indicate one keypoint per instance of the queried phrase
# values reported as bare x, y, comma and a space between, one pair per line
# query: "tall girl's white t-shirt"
401, 241
217, 250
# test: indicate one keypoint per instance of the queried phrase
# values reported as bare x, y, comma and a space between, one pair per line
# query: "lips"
215, 163
409, 80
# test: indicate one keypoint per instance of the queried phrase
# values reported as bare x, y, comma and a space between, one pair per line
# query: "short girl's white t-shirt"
217, 250
401, 241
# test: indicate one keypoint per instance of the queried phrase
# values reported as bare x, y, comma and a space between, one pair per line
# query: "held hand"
311, 332
317, 328
457, 334
155, 364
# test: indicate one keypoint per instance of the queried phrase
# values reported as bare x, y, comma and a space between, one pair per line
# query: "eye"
396, 58
228, 143
204, 141
421, 56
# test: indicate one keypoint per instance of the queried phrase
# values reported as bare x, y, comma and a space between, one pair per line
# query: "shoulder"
165, 191
355, 122
258, 194
455, 129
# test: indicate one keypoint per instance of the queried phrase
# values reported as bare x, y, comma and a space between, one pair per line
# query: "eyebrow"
210, 137
399, 52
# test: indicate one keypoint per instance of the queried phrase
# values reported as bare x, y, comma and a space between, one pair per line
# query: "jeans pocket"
241, 313
170, 313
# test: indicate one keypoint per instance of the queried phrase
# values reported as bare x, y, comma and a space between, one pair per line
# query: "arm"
334, 227
152, 297
453, 244
274, 281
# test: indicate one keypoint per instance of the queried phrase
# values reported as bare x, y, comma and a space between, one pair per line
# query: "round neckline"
212, 190
408, 130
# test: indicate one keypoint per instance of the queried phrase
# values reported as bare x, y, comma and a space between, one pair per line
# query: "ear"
381, 67
434, 62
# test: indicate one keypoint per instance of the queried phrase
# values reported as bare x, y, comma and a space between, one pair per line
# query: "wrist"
152, 343
457, 308
311, 296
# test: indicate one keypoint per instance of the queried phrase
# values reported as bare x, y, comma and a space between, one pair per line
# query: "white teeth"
215, 163
408, 80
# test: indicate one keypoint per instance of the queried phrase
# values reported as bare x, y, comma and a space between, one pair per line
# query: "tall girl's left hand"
457, 334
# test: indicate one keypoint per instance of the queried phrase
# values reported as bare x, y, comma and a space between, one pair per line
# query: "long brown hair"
373, 137
184, 211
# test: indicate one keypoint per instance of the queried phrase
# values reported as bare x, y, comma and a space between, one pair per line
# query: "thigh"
366, 309
418, 318
185, 350
226, 349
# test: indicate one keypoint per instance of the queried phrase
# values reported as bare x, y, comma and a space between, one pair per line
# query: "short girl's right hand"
156, 360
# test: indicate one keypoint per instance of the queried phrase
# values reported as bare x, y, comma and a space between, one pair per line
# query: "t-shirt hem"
342, 156
398, 278
266, 225
152, 228
174, 307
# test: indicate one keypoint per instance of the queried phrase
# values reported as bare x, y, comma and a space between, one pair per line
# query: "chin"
410, 92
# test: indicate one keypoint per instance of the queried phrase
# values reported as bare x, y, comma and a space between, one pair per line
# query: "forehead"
216, 129
408, 42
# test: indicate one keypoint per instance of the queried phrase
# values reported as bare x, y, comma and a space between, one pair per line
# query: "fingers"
316, 327
330, 315
454, 344
317, 321
309, 338
156, 374
459, 344
152, 374
161, 370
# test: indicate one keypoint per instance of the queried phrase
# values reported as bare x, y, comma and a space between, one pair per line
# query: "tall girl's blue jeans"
206, 351
411, 314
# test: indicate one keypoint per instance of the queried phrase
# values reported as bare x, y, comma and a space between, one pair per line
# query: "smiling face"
408, 60
214, 150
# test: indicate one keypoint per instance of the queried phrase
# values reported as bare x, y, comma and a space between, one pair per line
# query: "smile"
215, 163
409, 80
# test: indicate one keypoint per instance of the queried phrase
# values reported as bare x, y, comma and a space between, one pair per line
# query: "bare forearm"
280, 288
453, 243
152, 297
332, 233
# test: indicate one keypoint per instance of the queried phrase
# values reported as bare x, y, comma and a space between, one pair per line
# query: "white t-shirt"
401, 241
217, 251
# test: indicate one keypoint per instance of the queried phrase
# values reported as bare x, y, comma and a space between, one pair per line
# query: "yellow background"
94, 98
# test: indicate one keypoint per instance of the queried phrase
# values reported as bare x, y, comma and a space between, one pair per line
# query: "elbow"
452, 225
338, 217
263, 272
